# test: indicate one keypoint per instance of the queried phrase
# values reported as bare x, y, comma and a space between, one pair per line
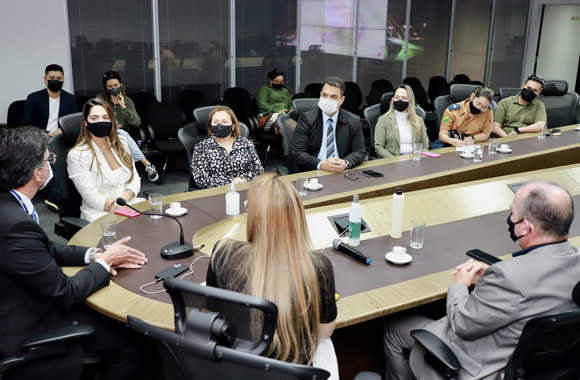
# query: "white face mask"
46, 181
328, 106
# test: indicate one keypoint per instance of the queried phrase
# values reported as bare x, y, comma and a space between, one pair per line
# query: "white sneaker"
152, 174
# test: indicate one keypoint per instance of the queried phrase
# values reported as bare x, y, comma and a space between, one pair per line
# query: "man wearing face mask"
521, 113
43, 108
329, 138
35, 295
483, 328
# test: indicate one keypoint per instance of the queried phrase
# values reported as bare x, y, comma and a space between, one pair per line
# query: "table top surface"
386, 288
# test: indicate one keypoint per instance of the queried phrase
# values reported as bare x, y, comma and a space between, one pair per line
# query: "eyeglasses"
278, 82
479, 106
51, 158
116, 85
537, 78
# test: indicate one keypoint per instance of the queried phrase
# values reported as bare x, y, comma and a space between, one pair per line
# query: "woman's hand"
110, 205
238, 180
121, 101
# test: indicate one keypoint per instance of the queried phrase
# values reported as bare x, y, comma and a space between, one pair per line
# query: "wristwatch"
517, 130
92, 252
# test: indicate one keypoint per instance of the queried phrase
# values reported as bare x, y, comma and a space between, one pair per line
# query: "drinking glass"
492, 146
109, 228
156, 205
417, 233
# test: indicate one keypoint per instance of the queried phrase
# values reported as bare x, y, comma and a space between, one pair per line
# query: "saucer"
313, 188
504, 151
398, 259
468, 156
178, 212
577, 128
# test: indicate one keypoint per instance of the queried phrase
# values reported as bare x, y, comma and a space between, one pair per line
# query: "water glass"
492, 146
109, 228
542, 134
301, 181
417, 149
417, 233
477, 154
156, 205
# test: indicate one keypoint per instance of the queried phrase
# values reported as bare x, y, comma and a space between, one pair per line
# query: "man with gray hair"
483, 328
329, 138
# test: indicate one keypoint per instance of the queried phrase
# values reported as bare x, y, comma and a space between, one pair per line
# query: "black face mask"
100, 129
511, 228
54, 85
277, 86
527, 94
221, 131
115, 91
400, 105
472, 109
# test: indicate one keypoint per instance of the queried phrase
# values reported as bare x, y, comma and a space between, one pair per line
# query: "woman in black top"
225, 157
277, 263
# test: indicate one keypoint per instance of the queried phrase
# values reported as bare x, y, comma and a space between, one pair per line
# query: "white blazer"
95, 185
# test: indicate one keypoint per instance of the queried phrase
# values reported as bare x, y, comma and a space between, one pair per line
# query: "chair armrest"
366, 375
151, 132
151, 331
75, 222
58, 335
437, 348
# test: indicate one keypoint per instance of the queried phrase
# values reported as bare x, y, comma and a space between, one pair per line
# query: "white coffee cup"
399, 251
175, 205
504, 147
313, 182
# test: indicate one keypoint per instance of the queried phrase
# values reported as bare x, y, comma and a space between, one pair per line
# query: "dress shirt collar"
527, 250
325, 118
24, 201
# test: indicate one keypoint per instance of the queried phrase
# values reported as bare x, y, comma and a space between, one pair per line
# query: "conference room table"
366, 292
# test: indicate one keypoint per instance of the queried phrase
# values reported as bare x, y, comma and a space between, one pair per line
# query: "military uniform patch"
455, 106
446, 119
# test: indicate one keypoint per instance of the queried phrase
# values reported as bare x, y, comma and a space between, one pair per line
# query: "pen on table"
198, 247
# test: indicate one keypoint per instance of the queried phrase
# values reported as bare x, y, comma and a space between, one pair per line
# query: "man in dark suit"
35, 295
43, 108
329, 138
483, 328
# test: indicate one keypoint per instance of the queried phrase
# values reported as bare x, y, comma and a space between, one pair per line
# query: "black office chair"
461, 79
438, 86
15, 110
164, 120
142, 101
313, 89
561, 105
240, 101
69, 201
81, 100
548, 348
378, 88
352, 98
220, 334
420, 93
189, 100
505, 92
48, 355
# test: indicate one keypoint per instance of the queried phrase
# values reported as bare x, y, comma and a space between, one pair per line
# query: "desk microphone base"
174, 251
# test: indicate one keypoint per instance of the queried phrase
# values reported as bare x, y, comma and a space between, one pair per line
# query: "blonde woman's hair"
278, 265
116, 144
413, 117
235, 123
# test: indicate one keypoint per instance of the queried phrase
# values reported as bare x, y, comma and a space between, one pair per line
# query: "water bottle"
232, 201
354, 218
397, 216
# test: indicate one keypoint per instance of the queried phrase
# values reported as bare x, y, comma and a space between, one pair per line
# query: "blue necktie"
35, 215
330, 140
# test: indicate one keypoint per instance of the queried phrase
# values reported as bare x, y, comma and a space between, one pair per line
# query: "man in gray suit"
483, 328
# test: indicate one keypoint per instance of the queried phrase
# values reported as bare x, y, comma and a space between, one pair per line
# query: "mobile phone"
483, 256
171, 271
127, 212
372, 173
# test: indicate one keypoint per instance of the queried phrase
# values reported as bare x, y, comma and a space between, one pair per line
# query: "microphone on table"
171, 251
350, 251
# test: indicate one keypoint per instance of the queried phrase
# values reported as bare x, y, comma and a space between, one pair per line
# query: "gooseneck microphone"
171, 251
350, 251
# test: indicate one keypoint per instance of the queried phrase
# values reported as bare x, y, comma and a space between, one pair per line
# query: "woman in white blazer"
100, 164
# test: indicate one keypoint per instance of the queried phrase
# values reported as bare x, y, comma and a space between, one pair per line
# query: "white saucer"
178, 212
313, 188
504, 151
468, 156
398, 259
577, 128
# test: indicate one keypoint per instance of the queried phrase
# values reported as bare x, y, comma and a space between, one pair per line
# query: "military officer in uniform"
467, 122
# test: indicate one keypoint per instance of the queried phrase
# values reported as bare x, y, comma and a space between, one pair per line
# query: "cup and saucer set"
175, 209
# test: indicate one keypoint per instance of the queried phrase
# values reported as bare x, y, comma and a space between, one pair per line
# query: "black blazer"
36, 108
34, 292
350, 141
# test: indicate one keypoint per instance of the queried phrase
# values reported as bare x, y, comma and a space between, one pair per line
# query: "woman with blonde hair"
100, 164
225, 157
278, 263
398, 129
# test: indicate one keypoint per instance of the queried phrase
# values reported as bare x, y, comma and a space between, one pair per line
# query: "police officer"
467, 122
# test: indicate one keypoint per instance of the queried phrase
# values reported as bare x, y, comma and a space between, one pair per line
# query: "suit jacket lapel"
396, 129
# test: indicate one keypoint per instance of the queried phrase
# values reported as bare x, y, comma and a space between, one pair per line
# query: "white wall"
34, 34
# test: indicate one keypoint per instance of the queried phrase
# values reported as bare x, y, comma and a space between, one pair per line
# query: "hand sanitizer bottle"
232, 201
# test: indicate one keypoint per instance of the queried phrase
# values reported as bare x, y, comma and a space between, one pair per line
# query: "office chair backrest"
438, 86
386, 101
314, 89
461, 79
421, 98
201, 116
253, 318
165, 119
15, 110
142, 101
70, 199
71, 127
548, 345
304, 105
561, 105
189, 100
352, 97
505, 92
457, 93
239, 100
372, 115
287, 126
189, 137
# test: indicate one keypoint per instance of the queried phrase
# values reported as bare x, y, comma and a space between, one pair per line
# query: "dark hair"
275, 73
112, 75
486, 92
53, 67
335, 82
536, 78
552, 218
21, 152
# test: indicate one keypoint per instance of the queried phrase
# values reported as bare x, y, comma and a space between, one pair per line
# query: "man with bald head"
483, 328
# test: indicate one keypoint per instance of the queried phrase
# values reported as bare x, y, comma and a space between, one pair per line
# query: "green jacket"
270, 100
127, 117
388, 139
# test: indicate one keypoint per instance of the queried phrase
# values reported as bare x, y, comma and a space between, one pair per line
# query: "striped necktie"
35, 215
330, 140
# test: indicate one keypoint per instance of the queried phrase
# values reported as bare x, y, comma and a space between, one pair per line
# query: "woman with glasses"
467, 122
398, 129
100, 164
125, 116
279, 264
273, 99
